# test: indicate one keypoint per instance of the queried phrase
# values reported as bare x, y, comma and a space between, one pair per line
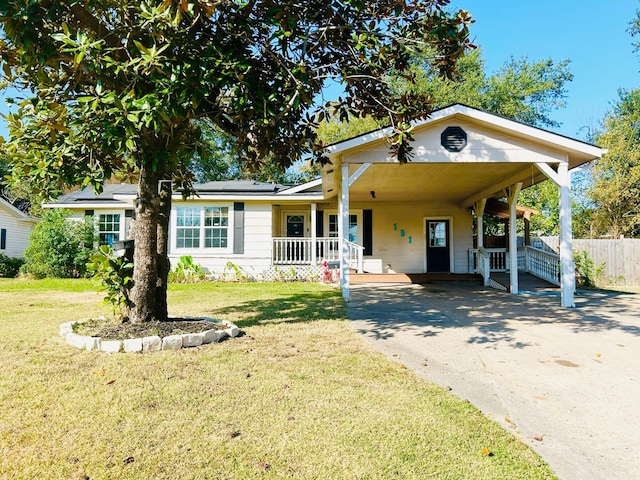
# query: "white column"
314, 260
480, 256
343, 231
514, 191
567, 267
480, 221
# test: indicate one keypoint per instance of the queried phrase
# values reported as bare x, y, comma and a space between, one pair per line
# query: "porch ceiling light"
454, 139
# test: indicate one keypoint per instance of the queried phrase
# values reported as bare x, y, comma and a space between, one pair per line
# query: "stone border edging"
149, 344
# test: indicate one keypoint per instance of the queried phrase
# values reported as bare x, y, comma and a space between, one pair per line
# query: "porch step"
356, 278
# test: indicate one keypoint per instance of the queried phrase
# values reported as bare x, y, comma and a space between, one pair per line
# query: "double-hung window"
202, 227
216, 227
108, 228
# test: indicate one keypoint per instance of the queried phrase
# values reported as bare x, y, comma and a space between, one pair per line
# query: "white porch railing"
538, 262
309, 251
543, 264
497, 257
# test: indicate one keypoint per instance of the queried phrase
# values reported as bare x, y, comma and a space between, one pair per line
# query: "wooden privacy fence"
621, 257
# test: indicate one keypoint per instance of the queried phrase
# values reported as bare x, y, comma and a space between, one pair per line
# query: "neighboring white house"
15, 228
370, 214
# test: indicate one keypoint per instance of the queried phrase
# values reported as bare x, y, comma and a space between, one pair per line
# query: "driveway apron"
565, 381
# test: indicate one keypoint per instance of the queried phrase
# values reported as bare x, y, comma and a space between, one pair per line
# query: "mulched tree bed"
111, 330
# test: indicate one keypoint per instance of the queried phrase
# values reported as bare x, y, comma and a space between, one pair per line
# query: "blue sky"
592, 34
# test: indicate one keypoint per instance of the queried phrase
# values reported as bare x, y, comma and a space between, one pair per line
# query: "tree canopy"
118, 88
523, 90
615, 191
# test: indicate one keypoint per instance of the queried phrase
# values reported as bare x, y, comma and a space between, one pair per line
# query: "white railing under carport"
542, 264
497, 258
480, 260
538, 262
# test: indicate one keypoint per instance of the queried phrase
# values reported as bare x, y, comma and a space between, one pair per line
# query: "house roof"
119, 195
497, 153
16, 212
500, 209
107, 195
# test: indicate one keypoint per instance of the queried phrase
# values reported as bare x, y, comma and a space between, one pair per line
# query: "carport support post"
514, 191
481, 257
343, 231
567, 267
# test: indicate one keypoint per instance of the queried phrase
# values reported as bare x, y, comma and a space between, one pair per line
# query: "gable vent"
454, 139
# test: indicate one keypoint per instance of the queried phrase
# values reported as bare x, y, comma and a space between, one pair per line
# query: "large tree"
521, 89
118, 87
615, 191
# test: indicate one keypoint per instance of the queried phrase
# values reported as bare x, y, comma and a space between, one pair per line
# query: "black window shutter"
238, 227
319, 223
367, 231
3, 239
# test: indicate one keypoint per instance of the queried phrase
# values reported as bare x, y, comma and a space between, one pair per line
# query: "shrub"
587, 273
59, 247
115, 273
187, 271
9, 266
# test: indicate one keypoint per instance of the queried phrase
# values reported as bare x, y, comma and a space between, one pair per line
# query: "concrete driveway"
565, 381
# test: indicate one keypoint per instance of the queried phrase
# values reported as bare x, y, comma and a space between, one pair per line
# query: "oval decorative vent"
454, 139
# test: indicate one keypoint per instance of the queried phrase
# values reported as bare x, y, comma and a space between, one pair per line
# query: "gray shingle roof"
231, 187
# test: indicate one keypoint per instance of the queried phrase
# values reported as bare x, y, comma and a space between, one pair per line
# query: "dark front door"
438, 246
295, 229
295, 226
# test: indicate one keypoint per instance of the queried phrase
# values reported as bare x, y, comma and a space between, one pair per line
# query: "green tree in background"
615, 192
521, 90
119, 88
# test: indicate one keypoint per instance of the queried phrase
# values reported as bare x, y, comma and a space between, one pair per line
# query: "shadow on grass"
296, 308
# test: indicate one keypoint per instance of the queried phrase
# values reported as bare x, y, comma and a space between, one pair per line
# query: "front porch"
312, 251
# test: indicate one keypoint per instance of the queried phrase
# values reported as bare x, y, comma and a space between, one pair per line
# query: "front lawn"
298, 396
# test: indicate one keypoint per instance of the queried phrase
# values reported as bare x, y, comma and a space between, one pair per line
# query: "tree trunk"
164, 265
148, 294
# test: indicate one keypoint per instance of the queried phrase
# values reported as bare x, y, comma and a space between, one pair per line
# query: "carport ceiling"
450, 183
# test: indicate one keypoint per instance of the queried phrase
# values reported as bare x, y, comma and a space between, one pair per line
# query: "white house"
370, 214
15, 228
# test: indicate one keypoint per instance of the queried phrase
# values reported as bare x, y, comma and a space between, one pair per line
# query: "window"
109, 228
437, 234
188, 227
216, 227
202, 227
353, 226
3, 239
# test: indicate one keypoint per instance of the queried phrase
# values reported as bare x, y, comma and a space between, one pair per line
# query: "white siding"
483, 145
257, 245
404, 257
18, 230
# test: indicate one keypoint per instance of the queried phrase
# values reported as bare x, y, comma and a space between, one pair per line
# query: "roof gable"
14, 211
577, 151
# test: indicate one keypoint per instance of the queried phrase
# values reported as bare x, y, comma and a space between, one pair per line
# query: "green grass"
299, 396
